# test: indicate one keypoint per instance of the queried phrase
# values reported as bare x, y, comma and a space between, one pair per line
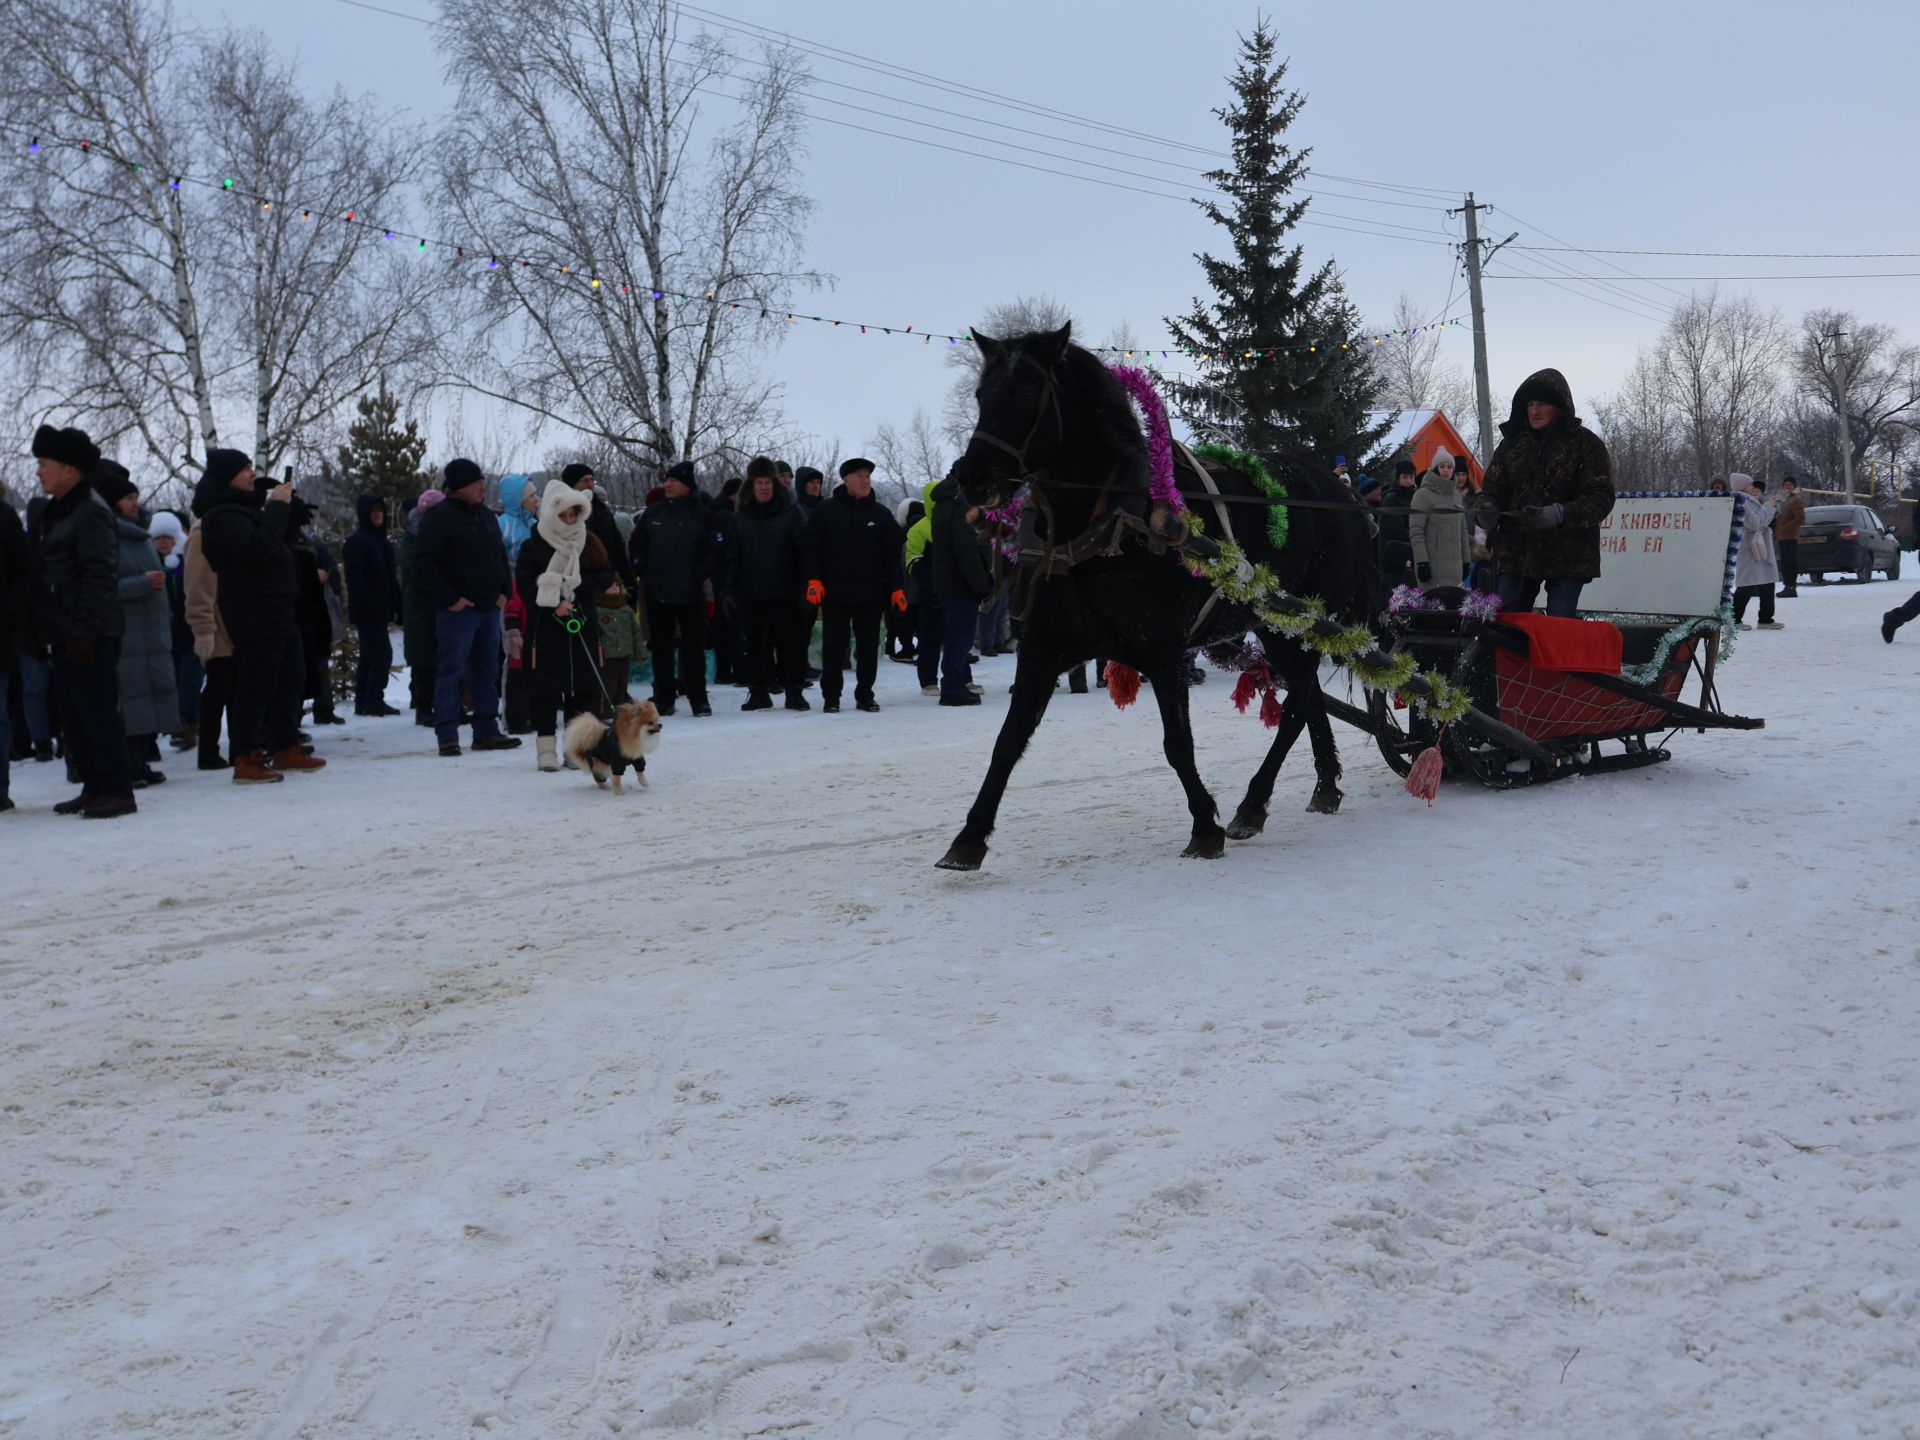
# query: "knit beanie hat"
458, 474
574, 474
67, 447
428, 499
223, 465
683, 472
112, 483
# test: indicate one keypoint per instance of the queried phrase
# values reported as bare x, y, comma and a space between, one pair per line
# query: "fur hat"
112, 483
575, 473
66, 447
459, 474
854, 466
165, 522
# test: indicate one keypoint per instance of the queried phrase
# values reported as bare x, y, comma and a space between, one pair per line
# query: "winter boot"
294, 758
252, 769
546, 753
187, 737
757, 700
1889, 623
797, 701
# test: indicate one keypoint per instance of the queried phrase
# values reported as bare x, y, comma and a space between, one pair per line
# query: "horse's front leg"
1209, 841
1033, 678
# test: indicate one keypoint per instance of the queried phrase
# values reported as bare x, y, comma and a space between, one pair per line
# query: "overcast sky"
1673, 126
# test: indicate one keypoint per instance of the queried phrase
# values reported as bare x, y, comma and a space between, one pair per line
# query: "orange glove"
900, 601
816, 593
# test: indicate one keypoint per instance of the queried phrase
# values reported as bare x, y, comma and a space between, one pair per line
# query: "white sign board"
1665, 555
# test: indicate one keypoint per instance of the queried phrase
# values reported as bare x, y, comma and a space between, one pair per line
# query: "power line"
1739, 254
1849, 275
1602, 259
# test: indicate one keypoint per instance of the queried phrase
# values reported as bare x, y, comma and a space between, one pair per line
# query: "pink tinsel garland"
1007, 521
1138, 384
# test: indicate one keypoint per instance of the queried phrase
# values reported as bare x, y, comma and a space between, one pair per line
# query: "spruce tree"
381, 457
1301, 391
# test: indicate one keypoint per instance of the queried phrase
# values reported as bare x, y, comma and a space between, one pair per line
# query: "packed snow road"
433, 1098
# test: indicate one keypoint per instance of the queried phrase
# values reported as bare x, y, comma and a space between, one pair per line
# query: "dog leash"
574, 628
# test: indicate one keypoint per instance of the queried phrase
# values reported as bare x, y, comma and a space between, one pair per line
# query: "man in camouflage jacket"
1547, 489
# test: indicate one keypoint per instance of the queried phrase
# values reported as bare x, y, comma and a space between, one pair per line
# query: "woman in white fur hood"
562, 566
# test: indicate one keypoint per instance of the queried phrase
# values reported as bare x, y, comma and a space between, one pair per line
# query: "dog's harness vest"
607, 752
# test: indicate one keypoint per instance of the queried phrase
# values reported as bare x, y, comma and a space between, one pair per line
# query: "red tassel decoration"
1270, 709
1244, 689
1423, 780
1123, 684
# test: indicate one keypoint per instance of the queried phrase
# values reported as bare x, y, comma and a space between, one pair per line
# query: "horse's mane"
1098, 396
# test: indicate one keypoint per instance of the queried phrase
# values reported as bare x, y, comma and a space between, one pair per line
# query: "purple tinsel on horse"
1006, 519
1139, 385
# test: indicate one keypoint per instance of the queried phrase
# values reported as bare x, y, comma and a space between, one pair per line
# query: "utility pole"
1840, 388
1482, 386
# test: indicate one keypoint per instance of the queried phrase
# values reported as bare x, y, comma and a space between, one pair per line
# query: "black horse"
1053, 415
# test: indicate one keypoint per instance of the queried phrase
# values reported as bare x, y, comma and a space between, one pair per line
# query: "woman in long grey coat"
1438, 526
149, 697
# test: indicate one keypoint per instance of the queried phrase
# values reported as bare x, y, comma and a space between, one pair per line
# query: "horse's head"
1021, 427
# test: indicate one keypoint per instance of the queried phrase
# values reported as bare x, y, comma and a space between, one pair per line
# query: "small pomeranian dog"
607, 750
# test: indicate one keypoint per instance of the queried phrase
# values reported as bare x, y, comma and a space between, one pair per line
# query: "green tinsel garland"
1682, 628
1249, 466
1304, 619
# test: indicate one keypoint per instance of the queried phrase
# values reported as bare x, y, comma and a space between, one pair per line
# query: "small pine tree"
380, 457
1282, 399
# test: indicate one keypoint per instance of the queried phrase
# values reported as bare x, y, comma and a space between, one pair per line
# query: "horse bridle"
1049, 397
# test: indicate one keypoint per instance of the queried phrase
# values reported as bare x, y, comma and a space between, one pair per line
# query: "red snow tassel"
1423, 780
1244, 689
1123, 684
1270, 709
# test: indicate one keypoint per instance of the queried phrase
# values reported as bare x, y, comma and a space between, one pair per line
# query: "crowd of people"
127, 625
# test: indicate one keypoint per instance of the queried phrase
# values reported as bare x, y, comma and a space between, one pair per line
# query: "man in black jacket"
243, 534
77, 618
673, 551
856, 567
1396, 530
600, 522
462, 560
373, 604
961, 579
763, 587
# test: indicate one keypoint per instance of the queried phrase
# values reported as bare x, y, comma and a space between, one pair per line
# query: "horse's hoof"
1245, 826
1325, 803
962, 856
1206, 847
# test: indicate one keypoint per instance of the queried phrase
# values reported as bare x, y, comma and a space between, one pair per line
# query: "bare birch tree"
1414, 375
1842, 361
598, 194
913, 455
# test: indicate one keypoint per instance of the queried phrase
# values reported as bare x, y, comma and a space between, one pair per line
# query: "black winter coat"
16, 582
1565, 464
764, 554
855, 549
673, 550
76, 577
548, 649
373, 581
604, 528
960, 570
245, 541
460, 555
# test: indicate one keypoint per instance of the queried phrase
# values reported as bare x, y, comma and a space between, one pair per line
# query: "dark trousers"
1518, 592
467, 643
550, 701
269, 681
519, 717
1789, 565
864, 623
319, 677
216, 702
1906, 611
1763, 593
37, 696
679, 639
371, 669
86, 696
776, 650
958, 618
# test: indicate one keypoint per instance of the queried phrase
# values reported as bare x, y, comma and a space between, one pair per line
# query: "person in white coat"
1758, 569
1438, 527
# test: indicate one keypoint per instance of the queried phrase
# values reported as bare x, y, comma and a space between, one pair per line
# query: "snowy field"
426, 1098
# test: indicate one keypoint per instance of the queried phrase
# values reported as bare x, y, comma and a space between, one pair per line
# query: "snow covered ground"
426, 1098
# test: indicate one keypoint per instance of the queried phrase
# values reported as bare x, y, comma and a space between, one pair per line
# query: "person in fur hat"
76, 619
562, 567
170, 543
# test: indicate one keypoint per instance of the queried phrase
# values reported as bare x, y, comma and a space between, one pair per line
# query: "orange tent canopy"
1424, 434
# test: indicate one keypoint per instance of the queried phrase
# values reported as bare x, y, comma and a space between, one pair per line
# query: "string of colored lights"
594, 284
